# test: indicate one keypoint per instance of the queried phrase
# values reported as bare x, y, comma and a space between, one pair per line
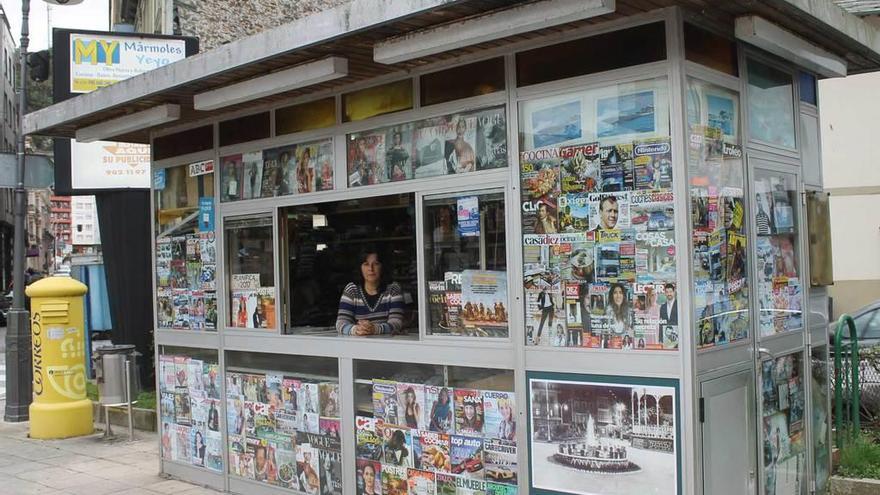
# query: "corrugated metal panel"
860, 7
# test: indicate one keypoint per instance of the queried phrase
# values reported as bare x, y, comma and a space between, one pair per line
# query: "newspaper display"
465, 438
186, 287
597, 224
189, 411
715, 163
277, 435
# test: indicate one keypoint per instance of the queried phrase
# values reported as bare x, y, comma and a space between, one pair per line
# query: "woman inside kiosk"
370, 306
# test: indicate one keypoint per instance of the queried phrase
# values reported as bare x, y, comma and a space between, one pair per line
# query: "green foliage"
861, 458
146, 400
92, 391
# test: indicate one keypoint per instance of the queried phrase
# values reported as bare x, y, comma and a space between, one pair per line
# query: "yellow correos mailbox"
60, 408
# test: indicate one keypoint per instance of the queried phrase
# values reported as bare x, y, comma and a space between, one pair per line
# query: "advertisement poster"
625, 115
98, 60
484, 299
557, 124
468, 209
206, 214
592, 436
109, 165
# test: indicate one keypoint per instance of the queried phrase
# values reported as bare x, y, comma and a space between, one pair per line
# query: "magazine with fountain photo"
593, 437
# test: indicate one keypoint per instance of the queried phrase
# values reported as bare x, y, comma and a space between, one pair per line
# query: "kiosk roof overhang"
352, 30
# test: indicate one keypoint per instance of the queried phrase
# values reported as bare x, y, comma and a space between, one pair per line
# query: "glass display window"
305, 116
783, 433
424, 428
377, 100
445, 145
720, 245
777, 253
290, 169
190, 408
771, 105
597, 205
250, 264
186, 251
466, 264
283, 421
351, 261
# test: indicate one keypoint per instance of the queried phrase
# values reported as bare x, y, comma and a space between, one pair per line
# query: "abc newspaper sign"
99, 60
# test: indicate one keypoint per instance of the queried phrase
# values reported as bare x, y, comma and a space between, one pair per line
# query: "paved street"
87, 465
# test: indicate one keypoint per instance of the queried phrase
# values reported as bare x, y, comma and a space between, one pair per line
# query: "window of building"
185, 249
251, 272
377, 100
466, 264
771, 105
327, 249
184, 142
710, 49
244, 129
808, 90
305, 116
599, 53
478, 78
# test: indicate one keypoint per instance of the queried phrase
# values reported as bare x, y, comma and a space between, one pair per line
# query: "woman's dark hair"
362, 256
620, 312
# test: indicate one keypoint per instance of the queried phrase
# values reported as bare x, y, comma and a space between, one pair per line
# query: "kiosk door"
779, 336
729, 465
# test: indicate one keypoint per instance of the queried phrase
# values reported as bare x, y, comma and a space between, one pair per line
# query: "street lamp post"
18, 335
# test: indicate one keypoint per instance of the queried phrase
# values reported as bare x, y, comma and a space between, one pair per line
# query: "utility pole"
18, 334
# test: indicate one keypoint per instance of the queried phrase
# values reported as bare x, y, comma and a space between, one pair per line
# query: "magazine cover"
230, 178
429, 148
453, 301
368, 444
198, 446
500, 489
466, 454
652, 211
166, 407
210, 310
491, 147
168, 369
182, 407
500, 416
180, 445
331, 472
308, 468
329, 399
329, 427
655, 256
211, 379
193, 275
208, 248
163, 262
197, 310
385, 402
180, 307
310, 422
574, 212
366, 159
308, 398
165, 307
398, 153
499, 458
254, 387
439, 409
287, 423
617, 168
181, 371
540, 181
483, 301
305, 175
431, 451
236, 415
469, 486
207, 277
252, 180
214, 451
324, 164
237, 457
272, 175
652, 162
468, 412
411, 405
264, 420
290, 388
420, 482
273, 392
438, 315
178, 274
581, 168
285, 458
444, 483
574, 320
397, 446
368, 477
394, 480
609, 211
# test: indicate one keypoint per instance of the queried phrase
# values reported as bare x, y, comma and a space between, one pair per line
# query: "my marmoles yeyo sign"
101, 60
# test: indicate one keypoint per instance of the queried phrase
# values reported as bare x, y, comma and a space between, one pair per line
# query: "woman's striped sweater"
387, 315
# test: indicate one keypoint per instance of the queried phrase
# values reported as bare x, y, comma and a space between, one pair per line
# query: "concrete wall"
851, 173
216, 22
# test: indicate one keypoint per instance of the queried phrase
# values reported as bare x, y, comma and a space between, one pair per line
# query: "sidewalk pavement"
84, 466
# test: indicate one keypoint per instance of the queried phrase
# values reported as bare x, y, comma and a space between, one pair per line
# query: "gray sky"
90, 14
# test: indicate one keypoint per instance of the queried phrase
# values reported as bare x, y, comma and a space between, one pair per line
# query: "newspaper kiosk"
596, 229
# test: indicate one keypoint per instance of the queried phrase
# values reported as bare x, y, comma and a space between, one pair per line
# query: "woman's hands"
365, 327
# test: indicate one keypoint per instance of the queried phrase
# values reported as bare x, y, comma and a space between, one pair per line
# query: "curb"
143, 419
